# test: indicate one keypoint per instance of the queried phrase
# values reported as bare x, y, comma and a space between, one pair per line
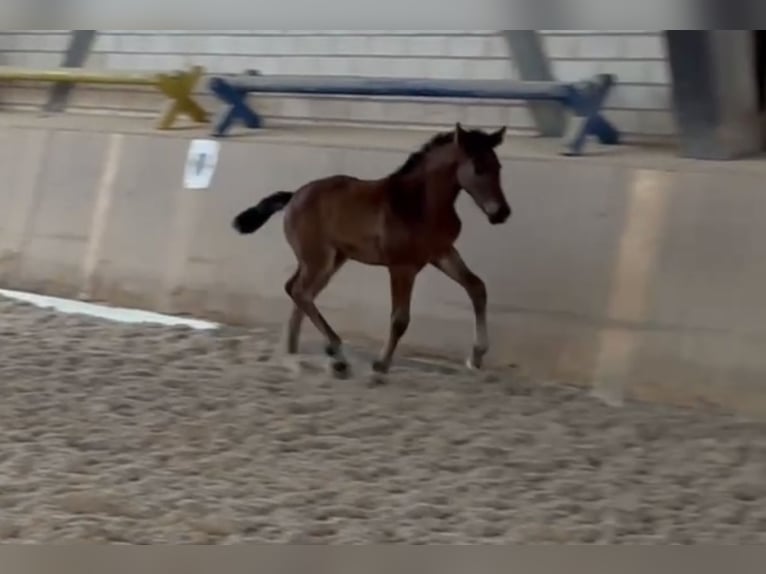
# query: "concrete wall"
640, 105
624, 274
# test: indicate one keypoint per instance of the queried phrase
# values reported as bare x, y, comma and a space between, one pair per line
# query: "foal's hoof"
473, 363
379, 374
340, 369
380, 368
476, 359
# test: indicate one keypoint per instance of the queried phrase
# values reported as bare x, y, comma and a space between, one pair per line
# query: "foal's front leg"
454, 267
402, 281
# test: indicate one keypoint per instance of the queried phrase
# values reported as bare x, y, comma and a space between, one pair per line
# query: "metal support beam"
715, 93
80, 44
528, 53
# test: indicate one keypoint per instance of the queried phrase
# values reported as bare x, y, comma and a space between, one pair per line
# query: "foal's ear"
459, 135
497, 138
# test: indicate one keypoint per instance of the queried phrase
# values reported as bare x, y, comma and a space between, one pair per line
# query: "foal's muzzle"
500, 215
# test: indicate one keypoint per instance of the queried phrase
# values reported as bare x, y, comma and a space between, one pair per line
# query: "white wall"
640, 105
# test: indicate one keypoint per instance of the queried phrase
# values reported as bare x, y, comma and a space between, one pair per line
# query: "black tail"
251, 220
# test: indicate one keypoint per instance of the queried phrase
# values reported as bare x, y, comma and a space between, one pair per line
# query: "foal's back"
340, 213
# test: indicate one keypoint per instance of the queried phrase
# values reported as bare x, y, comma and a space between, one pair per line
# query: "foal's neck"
439, 180
427, 184
437, 187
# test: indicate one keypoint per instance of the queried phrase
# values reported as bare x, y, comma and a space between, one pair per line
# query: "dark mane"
415, 158
472, 140
407, 199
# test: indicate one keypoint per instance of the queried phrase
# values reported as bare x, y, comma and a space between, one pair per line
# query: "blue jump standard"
585, 100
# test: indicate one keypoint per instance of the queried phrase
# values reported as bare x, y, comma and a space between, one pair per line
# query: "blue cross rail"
584, 100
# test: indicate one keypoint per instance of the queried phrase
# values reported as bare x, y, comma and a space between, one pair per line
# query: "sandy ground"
148, 435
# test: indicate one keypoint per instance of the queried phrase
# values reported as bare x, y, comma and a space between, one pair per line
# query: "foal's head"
478, 171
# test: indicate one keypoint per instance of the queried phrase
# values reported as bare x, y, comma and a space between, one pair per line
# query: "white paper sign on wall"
201, 162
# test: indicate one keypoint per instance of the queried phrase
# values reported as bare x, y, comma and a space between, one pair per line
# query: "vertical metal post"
715, 96
528, 53
80, 44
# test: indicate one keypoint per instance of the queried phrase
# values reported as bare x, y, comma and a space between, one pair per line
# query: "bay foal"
404, 221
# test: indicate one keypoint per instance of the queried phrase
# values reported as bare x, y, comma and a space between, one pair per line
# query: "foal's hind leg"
297, 315
402, 281
453, 266
311, 277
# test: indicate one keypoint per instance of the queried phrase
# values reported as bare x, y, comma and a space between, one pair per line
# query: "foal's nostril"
501, 215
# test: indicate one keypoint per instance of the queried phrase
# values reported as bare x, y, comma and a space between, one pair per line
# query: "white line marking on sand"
118, 314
